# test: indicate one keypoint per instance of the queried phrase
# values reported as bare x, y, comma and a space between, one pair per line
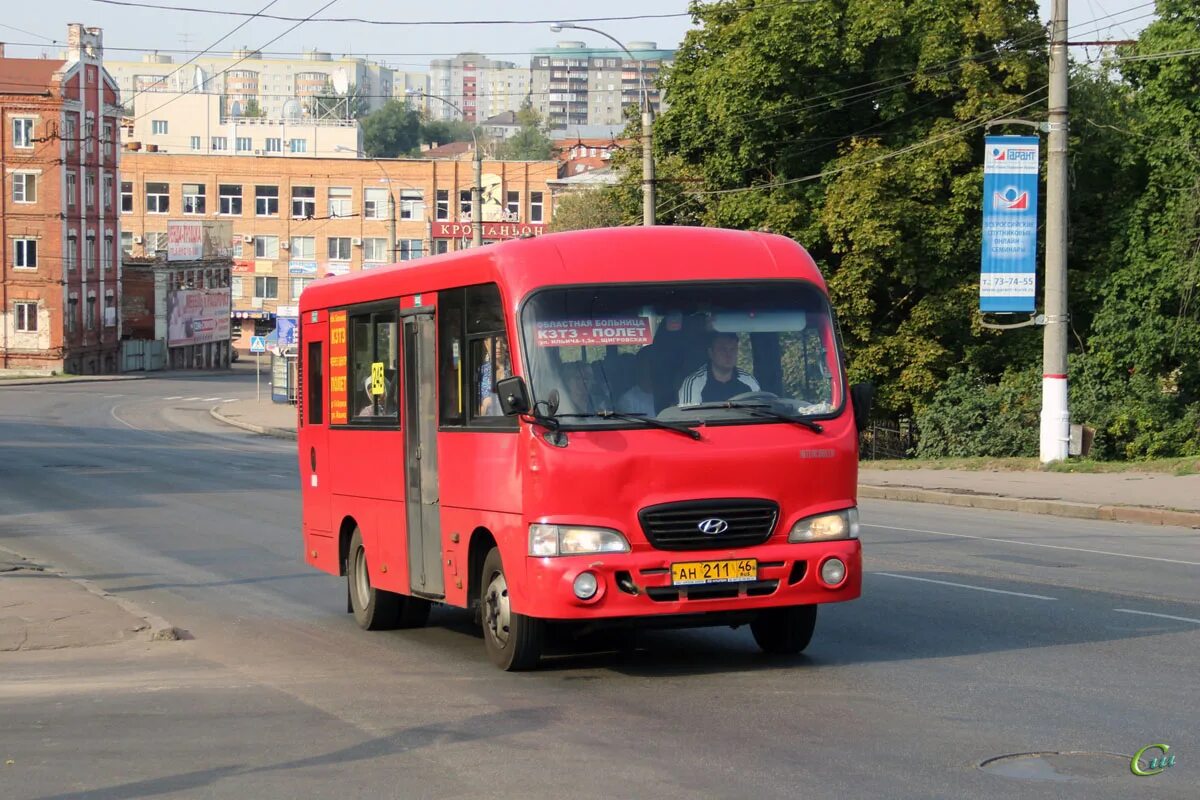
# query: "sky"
28, 28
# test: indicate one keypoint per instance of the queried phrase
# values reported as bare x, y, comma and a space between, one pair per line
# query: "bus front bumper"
643, 584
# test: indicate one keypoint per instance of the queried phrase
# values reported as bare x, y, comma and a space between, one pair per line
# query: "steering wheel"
744, 396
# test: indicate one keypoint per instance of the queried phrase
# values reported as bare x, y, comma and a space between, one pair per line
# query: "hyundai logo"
712, 526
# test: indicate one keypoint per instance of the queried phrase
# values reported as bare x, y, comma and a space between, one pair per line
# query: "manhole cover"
1059, 767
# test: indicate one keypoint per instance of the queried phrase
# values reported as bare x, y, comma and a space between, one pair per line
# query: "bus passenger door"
421, 495
313, 432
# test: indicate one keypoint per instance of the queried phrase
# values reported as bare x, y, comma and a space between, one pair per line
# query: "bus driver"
719, 379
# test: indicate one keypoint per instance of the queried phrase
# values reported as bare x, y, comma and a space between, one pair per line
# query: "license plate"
690, 573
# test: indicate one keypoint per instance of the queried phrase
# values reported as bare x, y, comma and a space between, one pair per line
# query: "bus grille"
677, 526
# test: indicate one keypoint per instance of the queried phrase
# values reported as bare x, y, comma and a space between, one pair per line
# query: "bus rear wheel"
513, 641
785, 631
374, 609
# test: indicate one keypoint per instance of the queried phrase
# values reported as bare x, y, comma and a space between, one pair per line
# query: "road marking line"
230, 400
1034, 544
189, 399
210, 399
1152, 614
964, 586
111, 396
174, 397
273, 475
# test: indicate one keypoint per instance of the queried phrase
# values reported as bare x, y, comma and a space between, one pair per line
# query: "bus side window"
450, 356
374, 358
316, 382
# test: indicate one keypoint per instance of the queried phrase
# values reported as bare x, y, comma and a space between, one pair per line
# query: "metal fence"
888, 440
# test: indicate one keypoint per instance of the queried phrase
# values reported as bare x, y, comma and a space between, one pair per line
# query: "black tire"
516, 645
373, 609
785, 631
414, 612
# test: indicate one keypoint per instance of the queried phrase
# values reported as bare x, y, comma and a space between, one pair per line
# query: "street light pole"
477, 181
648, 179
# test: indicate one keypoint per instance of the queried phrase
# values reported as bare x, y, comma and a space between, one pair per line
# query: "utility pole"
647, 163
477, 200
392, 219
1056, 416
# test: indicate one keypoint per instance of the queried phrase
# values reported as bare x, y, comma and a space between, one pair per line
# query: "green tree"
590, 208
392, 131
441, 131
530, 142
252, 109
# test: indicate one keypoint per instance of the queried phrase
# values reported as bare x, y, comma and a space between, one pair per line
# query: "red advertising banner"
491, 230
613, 330
339, 403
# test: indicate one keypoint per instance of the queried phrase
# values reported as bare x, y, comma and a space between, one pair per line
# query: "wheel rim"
497, 616
362, 582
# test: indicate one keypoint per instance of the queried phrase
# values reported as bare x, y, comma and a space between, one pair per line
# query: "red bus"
620, 426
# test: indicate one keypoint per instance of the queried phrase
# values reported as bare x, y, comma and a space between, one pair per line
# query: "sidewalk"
1149, 498
43, 610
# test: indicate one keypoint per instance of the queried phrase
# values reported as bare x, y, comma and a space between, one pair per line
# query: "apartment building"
481, 87
246, 76
572, 84
58, 220
176, 122
295, 220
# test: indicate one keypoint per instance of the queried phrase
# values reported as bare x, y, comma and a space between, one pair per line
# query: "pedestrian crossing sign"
258, 344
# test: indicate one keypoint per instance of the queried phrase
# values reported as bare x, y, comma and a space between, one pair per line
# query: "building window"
25, 253
266, 247
339, 248
24, 187
375, 203
156, 242
442, 205
89, 134
158, 127
340, 201
274, 144
72, 188
110, 142
266, 287
126, 197
375, 249
127, 242
412, 203
266, 201
304, 202
298, 145
89, 251
106, 251
303, 247
441, 246
108, 191
411, 248
244, 145
110, 311
89, 189
89, 312
195, 142
298, 285
535, 206
69, 132
193, 198
72, 314
464, 205
219, 143
73, 250
27, 320
230, 199
158, 198
22, 132
512, 206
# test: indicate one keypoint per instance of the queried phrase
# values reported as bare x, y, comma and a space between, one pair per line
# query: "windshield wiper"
762, 410
650, 421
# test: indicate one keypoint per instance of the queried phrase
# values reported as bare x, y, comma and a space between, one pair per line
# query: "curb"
1143, 515
277, 433
75, 379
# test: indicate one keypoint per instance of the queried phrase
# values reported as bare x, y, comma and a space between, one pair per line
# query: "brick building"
298, 219
58, 221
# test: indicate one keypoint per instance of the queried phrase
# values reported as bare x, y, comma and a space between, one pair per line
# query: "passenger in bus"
720, 379
639, 398
489, 401
578, 395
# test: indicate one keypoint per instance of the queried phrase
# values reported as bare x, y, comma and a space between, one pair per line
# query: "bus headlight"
821, 528
574, 540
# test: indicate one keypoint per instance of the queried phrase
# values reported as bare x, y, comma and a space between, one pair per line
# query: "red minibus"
634, 426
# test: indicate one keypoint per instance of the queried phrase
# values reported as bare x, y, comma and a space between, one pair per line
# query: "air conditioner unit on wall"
284, 245
356, 242
247, 238
137, 240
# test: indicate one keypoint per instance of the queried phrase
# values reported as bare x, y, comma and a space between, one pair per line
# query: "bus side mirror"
863, 397
514, 397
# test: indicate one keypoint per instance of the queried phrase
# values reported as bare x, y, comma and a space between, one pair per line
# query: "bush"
971, 417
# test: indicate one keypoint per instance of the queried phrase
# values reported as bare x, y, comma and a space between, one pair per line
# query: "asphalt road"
979, 634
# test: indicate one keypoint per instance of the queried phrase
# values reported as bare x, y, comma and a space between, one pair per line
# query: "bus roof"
601, 255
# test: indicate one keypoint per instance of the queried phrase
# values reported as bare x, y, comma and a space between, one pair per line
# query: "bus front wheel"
785, 631
374, 609
513, 641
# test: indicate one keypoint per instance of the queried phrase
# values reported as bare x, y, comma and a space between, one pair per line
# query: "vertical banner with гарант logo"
339, 401
1008, 278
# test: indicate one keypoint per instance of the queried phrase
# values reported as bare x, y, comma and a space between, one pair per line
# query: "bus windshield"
695, 352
